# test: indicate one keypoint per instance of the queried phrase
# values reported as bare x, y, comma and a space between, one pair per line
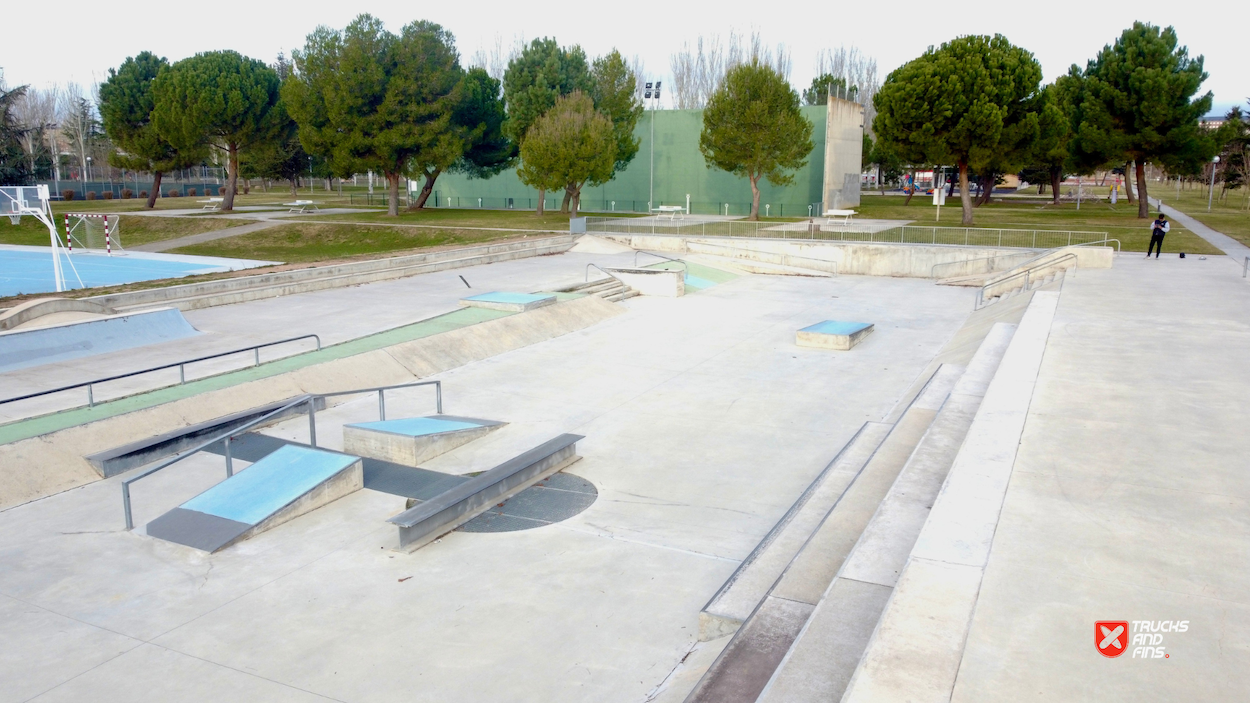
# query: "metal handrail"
600, 269
226, 437
933, 269
660, 256
981, 292
182, 374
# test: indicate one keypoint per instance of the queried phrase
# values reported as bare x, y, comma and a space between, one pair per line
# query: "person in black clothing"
1158, 228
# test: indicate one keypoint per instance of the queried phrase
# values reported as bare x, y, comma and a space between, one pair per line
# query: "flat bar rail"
181, 365
309, 400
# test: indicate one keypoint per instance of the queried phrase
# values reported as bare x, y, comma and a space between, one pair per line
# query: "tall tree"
368, 99
752, 127
1139, 94
822, 86
535, 79
79, 125
126, 104
481, 108
973, 102
1232, 138
14, 168
219, 99
572, 144
615, 94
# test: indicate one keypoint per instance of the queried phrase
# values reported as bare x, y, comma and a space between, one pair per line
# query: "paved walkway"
167, 244
1237, 251
1129, 499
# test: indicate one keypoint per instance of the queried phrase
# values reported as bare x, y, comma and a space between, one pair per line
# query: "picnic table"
846, 216
212, 203
671, 210
302, 206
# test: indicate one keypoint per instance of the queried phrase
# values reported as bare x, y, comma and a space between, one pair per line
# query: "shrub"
221, 191
127, 194
67, 195
108, 195
91, 195
143, 194
173, 193
190, 192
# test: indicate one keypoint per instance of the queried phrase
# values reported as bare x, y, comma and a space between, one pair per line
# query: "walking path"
167, 244
1237, 251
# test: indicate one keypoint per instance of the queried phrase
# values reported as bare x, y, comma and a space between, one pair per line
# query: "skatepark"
611, 466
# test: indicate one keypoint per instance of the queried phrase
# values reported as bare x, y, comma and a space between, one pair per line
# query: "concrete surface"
413, 440
652, 281
510, 302
1129, 497
703, 424
84, 338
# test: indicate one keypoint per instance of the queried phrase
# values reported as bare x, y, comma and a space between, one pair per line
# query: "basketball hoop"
15, 219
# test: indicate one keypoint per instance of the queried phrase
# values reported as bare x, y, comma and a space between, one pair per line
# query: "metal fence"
820, 230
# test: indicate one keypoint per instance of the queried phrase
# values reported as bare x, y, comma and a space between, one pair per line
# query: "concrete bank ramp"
282, 486
23, 348
412, 440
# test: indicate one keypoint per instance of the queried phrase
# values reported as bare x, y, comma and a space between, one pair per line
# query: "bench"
302, 206
846, 216
212, 203
671, 210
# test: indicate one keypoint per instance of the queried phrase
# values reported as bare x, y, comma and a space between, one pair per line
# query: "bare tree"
36, 110
857, 72
496, 59
78, 123
699, 70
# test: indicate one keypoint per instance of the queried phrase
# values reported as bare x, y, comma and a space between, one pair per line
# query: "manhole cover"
556, 498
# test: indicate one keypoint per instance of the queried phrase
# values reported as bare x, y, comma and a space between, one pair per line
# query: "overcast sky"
80, 41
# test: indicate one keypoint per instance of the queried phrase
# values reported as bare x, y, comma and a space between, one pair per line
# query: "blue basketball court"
26, 269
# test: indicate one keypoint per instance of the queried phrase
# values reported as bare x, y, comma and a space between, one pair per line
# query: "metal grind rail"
980, 302
181, 365
308, 400
935, 267
685, 266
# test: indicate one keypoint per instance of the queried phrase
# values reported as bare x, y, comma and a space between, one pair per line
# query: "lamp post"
1211, 193
654, 102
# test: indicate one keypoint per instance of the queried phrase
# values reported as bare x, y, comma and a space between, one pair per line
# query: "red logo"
1111, 637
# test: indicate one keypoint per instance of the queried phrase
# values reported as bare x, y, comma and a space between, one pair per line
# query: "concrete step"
279, 487
821, 661
748, 662
918, 644
624, 295
597, 286
751, 582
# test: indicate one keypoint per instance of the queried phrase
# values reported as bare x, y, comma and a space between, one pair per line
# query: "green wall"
679, 169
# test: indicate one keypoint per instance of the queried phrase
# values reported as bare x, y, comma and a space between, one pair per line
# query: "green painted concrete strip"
35, 426
707, 273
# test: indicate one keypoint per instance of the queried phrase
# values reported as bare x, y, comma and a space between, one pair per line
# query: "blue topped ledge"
508, 302
412, 440
833, 334
280, 487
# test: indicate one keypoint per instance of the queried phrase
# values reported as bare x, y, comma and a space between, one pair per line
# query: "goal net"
97, 234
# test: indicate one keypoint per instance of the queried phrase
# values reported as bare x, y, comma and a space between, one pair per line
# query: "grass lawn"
134, 230
1118, 221
302, 242
455, 217
1229, 217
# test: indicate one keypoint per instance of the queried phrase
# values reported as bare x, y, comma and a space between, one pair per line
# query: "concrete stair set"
287, 480
803, 607
609, 289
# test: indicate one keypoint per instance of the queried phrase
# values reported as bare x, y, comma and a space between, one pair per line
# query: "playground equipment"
16, 201
94, 232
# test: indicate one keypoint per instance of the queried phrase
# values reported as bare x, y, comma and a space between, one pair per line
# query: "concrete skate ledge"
434, 518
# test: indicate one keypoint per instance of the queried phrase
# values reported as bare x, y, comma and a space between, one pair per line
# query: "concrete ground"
332, 314
1129, 498
703, 423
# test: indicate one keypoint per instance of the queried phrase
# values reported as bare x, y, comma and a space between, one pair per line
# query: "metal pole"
381, 404
651, 187
182, 374
1245, 267
257, 350
90, 397
1211, 192
229, 460
438, 396
130, 523
312, 421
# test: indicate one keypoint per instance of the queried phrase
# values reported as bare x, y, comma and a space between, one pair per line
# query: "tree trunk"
568, 197
965, 194
576, 202
755, 199
1128, 188
294, 186
542, 201
232, 179
987, 188
156, 189
1143, 202
392, 187
1056, 176
426, 189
